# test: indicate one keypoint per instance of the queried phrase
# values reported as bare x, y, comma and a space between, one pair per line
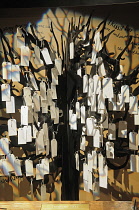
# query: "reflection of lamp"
76, 92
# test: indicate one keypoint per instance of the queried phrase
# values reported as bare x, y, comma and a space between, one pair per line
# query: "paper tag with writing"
77, 161
6, 70
10, 105
71, 50
112, 131
83, 114
39, 172
77, 105
10, 158
12, 127
90, 126
85, 83
53, 148
15, 73
43, 192
136, 118
25, 55
94, 162
110, 150
133, 105
27, 96
125, 93
58, 64
46, 56
82, 144
70, 117
36, 101
6, 93
107, 88
17, 167
96, 138
24, 115
96, 84
122, 131
21, 136
29, 167
28, 133
133, 141
54, 74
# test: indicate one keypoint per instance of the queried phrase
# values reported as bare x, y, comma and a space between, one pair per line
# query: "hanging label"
54, 93
79, 72
112, 131
53, 111
122, 131
70, 117
37, 59
4, 145
134, 163
90, 88
21, 136
133, 141
101, 101
36, 101
101, 68
46, 168
40, 142
110, 150
85, 83
86, 186
27, 96
28, 133
12, 127
133, 105
56, 120
10, 158
82, 144
53, 148
29, 167
49, 97
120, 103
90, 126
103, 172
46, 136
93, 103
96, 84
105, 122
85, 171
33, 81
25, 56
10, 105
136, 118
43, 90
97, 41
77, 105
72, 50
17, 167
125, 93
83, 115
58, 64
24, 115
93, 58
46, 56
96, 138
94, 161
77, 161
6, 70
112, 103
54, 75
90, 180
89, 161
39, 172
15, 73
43, 192
107, 88
5, 167
73, 122
30, 115
6, 93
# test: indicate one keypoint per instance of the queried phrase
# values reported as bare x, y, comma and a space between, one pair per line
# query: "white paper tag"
24, 115
110, 150
25, 55
133, 141
6, 93
53, 148
82, 144
122, 131
134, 163
105, 123
90, 180
107, 88
40, 142
6, 70
46, 136
54, 93
54, 74
97, 84
53, 111
97, 41
21, 136
46, 56
112, 103
33, 81
43, 192
77, 161
49, 97
120, 103
77, 106
72, 50
101, 101
101, 69
90, 87
90, 126
85, 83
96, 138
136, 118
28, 133
73, 122
37, 59
46, 167
93, 58
5, 167
10, 159
89, 161
86, 186
17, 167
43, 90
83, 115
15, 73
29, 167
58, 64
4, 146
12, 127
112, 131
85, 171
94, 162
39, 171
133, 105
93, 103
70, 118
27, 96
79, 72
36, 101
125, 93
56, 120
103, 172
10, 105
